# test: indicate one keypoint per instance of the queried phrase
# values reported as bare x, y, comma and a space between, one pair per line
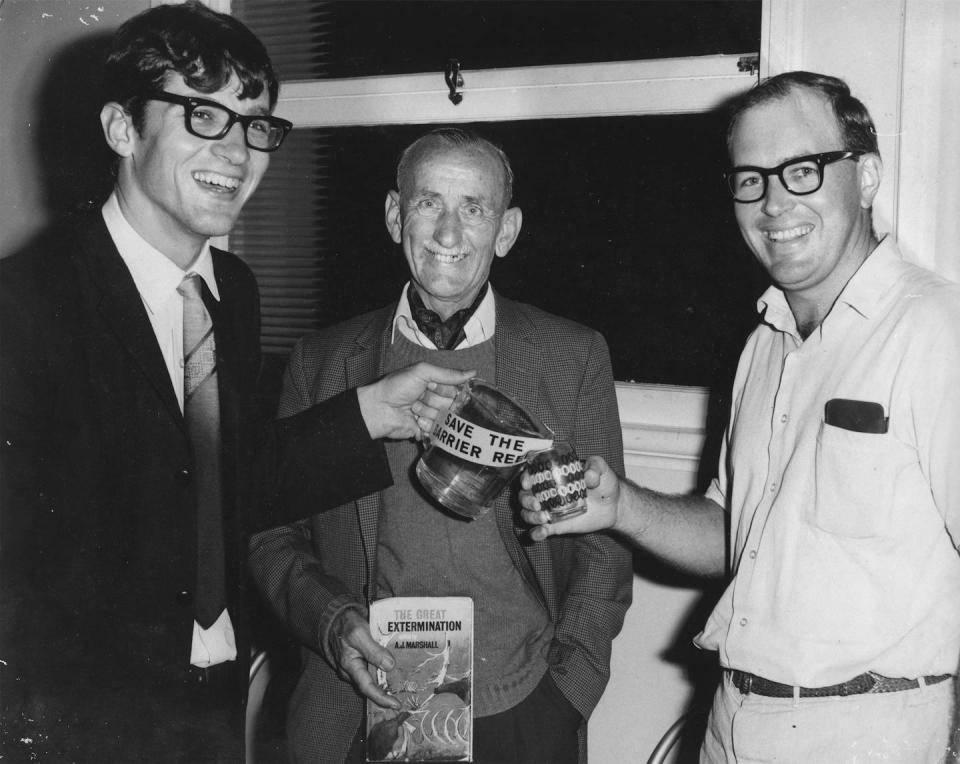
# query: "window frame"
622, 88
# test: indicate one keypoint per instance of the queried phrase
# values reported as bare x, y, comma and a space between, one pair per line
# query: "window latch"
454, 80
749, 63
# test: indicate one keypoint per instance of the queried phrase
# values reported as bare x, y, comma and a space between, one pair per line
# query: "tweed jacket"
311, 570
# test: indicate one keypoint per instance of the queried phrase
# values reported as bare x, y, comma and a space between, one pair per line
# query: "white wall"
664, 435
46, 49
902, 59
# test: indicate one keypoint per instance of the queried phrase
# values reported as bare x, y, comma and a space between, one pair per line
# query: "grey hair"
451, 137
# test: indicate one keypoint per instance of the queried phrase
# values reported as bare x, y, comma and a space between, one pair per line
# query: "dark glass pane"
315, 40
627, 228
281, 235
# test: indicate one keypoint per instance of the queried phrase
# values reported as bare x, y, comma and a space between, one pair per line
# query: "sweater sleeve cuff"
338, 607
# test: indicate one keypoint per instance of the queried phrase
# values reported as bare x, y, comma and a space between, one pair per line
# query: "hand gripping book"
431, 639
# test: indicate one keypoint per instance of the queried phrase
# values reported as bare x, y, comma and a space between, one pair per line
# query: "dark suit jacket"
309, 571
98, 511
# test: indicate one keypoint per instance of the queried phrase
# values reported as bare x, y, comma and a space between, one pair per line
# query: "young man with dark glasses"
130, 356
835, 513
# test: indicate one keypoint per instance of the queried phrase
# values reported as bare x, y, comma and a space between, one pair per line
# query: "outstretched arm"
687, 532
330, 452
406, 403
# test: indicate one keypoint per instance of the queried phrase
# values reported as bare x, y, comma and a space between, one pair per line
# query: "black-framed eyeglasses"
212, 120
800, 175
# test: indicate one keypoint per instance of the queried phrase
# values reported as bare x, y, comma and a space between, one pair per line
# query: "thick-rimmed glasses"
800, 175
212, 120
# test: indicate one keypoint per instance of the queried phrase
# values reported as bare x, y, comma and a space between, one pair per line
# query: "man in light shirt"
544, 622
840, 629
107, 654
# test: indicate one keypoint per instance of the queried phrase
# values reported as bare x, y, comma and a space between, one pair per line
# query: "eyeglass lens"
208, 121
802, 177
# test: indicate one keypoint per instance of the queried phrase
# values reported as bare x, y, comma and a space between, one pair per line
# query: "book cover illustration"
431, 639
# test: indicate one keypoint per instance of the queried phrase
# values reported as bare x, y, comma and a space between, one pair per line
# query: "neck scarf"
446, 335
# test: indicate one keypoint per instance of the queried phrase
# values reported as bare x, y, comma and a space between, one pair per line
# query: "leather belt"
860, 685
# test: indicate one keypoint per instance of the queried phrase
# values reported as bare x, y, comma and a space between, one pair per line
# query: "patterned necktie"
201, 410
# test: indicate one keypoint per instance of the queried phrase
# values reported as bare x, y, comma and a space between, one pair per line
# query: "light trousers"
907, 727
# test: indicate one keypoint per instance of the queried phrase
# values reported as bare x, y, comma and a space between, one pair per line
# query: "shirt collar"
874, 278
479, 327
773, 308
155, 275
862, 292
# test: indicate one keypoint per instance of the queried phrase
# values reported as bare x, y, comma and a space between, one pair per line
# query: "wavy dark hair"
202, 46
856, 126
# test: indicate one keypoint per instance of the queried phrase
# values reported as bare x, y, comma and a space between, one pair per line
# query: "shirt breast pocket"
854, 478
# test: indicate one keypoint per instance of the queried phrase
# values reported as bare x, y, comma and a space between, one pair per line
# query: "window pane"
628, 228
317, 40
282, 235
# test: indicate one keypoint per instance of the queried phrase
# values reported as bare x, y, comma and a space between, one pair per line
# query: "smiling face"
177, 189
451, 222
810, 245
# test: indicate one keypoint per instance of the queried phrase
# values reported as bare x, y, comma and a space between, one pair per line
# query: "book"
431, 640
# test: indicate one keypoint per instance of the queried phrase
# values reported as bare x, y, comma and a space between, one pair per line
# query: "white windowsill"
663, 425
659, 86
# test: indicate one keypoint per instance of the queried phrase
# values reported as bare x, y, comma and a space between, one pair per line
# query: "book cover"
431, 639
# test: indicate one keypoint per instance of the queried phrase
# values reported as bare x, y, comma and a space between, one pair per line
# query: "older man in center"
545, 615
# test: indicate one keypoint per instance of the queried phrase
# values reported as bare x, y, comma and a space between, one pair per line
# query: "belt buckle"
874, 683
199, 675
747, 683
207, 677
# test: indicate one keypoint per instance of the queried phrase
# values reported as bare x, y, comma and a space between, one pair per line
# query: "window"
626, 224
311, 40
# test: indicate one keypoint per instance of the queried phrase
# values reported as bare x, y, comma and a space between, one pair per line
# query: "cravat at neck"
445, 334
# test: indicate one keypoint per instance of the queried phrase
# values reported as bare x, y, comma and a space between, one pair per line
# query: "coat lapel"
518, 356
234, 389
362, 367
519, 366
223, 314
121, 308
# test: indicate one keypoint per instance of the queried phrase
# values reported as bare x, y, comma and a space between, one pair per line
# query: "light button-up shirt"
843, 543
